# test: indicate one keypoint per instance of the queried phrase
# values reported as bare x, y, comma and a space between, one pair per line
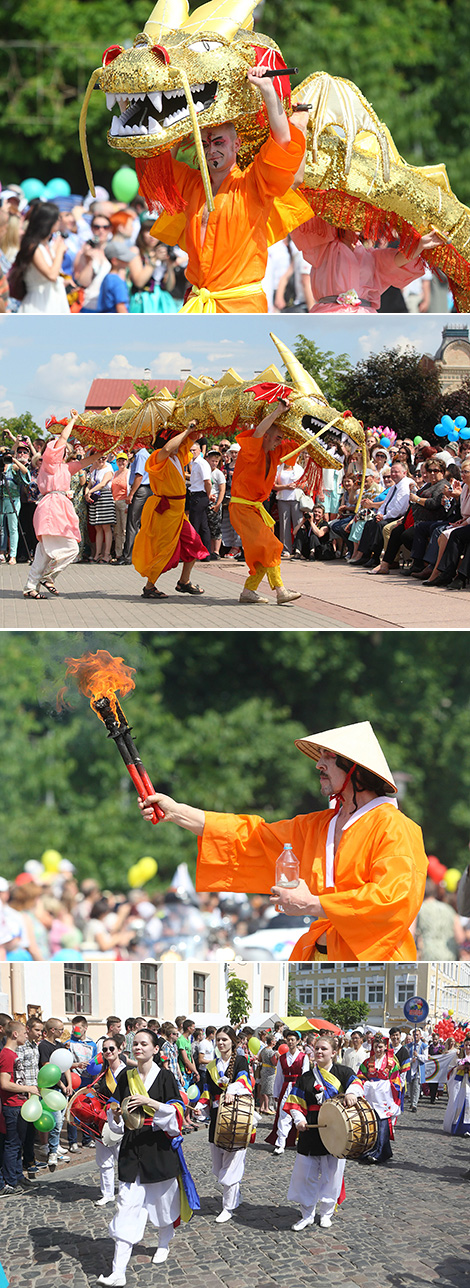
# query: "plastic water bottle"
287, 871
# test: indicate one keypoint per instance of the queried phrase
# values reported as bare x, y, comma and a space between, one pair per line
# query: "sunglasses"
96, 227
109, 1050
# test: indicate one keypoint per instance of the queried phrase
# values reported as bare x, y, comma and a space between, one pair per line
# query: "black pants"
458, 544
422, 533
134, 515
198, 507
399, 536
372, 537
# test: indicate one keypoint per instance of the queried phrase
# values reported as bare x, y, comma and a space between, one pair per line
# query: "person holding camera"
13, 473
91, 265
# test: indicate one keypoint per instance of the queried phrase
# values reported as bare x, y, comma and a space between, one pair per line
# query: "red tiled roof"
113, 393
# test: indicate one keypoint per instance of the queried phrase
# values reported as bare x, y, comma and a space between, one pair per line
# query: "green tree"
238, 1001
293, 1006
393, 388
326, 367
345, 1013
143, 389
23, 424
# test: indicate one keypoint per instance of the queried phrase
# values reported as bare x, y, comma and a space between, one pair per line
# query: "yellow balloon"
147, 868
450, 1012
51, 859
451, 879
134, 877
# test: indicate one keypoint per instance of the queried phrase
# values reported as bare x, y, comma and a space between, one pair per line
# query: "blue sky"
47, 364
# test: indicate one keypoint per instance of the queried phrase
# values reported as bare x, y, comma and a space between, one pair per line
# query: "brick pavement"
402, 1226
334, 596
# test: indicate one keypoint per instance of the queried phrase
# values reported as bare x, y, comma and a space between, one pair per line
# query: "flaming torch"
100, 677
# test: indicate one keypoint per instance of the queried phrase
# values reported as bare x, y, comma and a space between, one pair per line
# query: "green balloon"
49, 1075
54, 1100
125, 184
46, 1122
31, 1110
417, 440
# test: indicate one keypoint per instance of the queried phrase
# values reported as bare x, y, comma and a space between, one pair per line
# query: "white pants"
228, 1166
316, 1183
160, 1201
105, 1156
284, 1124
51, 556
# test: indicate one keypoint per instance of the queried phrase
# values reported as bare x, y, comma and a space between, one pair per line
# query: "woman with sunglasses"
106, 1086
91, 265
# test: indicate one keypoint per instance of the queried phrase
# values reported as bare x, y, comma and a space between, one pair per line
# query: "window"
351, 991
148, 991
327, 966
304, 968
305, 995
375, 993
77, 989
199, 992
267, 999
404, 989
327, 993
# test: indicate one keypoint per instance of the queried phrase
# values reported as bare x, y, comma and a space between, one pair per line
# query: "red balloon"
436, 869
75, 1080
282, 1048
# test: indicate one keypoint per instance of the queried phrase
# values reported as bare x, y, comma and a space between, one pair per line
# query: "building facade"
385, 987
452, 360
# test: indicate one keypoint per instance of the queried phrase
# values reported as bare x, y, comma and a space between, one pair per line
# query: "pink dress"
336, 269
54, 515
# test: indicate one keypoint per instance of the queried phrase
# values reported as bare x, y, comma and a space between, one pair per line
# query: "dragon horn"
82, 129
168, 15
222, 16
304, 383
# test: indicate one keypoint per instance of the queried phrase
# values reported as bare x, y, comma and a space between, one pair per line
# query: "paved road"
405, 1225
334, 596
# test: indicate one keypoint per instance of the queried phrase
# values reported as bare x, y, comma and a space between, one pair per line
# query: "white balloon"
63, 1059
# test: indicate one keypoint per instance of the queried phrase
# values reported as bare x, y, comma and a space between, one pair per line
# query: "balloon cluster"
453, 430
437, 872
33, 188
384, 435
447, 1028
40, 1110
141, 872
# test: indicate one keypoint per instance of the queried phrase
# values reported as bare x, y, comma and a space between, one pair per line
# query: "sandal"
49, 585
151, 592
33, 594
188, 588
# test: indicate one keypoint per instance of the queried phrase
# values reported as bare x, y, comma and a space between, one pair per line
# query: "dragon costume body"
189, 72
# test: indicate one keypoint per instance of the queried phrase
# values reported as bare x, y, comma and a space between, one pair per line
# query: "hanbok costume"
166, 537
381, 1086
106, 1155
154, 1180
347, 280
457, 1115
317, 1178
228, 1165
289, 1069
55, 521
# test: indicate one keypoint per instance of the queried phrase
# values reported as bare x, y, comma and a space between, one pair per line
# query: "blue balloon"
58, 188
384, 442
19, 955
440, 432
465, 433
460, 422
453, 435
447, 423
32, 188
67, 955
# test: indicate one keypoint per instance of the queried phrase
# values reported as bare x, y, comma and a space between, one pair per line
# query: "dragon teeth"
156, 99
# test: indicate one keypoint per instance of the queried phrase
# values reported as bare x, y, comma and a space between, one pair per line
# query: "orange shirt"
251, 481
235, 246
159, 533
380, 870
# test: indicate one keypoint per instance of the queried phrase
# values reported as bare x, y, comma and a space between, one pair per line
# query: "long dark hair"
39, 229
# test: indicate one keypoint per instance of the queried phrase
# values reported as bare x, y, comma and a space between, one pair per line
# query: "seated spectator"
413, 531
394, 507
454, 542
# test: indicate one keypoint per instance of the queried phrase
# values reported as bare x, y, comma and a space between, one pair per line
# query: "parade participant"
12, 1096
379, 1078
228, 1073
418, 1053
362, 863
228, 248
348, 276
253, 477
401, 1053
317, 1178
457, 1116
291, 1064
149, 1166
166, 536
106, 1086
55, 521
356, 1053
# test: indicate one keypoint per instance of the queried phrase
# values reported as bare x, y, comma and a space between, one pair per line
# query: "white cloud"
369, 342
168, 363
6, 406
64, 381
404, 344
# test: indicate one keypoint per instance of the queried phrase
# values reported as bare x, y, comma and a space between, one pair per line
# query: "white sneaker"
325, 1222
252, 597
278, 1149
106, 1199
284, 596
62, 1155
52, 1162
73, 1149
116, 1281
305, 1220
223, 1216
160, 1256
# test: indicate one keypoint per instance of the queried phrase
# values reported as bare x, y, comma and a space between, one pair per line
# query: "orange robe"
251, 482
380, 870
235, 248
159, 533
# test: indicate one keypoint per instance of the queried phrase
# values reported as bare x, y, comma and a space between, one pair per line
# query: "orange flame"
100, 675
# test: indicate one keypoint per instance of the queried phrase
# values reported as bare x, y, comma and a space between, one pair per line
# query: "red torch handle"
150, 790
144, 790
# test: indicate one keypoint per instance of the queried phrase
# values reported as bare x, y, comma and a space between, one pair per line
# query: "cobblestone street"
405, 1224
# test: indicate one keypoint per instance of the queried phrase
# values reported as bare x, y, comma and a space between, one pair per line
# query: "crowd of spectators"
81, 255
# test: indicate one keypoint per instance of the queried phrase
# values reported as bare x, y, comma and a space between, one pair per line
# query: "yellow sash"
318, 957
137, 1088
203, 301
257, 505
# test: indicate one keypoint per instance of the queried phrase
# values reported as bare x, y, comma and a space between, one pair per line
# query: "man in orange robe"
166, 538
228, 248
260, 452
362, 864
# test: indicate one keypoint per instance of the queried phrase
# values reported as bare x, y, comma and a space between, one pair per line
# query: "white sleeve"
237, 1089
118, 1128
165, 1119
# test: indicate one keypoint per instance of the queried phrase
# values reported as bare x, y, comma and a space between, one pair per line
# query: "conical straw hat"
357, 742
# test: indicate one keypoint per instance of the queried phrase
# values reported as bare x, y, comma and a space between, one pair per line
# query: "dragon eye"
110, 54
161, 53
204, 46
